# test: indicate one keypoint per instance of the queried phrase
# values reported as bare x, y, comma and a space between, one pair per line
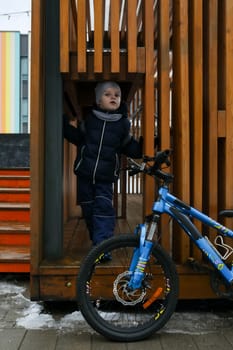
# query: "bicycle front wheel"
112, 309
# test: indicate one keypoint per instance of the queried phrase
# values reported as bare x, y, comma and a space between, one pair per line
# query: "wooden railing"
100, 26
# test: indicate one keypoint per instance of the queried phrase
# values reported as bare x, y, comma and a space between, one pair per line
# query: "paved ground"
26, 325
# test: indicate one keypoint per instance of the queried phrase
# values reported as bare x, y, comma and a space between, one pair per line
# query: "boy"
101, 138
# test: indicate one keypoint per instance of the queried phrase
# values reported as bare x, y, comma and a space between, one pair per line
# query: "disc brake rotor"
124, 294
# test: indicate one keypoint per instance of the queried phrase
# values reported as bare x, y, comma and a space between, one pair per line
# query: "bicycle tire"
102, 303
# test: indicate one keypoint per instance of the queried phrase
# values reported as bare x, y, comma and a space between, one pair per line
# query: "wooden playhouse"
174, 62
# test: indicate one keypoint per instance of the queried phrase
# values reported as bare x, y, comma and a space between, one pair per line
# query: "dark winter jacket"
101, 138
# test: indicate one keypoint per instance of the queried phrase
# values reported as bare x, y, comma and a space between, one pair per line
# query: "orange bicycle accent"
154, 296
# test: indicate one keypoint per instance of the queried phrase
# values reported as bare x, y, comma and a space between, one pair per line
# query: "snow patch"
10, 288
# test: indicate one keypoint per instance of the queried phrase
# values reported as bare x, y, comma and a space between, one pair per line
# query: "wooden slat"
196, 108
19, 239
15, 267
81, 36
221, 129
211, 68
74, 12
19, 212
73, 26
21, 172
227, 8
14, 234
14, 195
149, 109
64, 36
115, 39
98, 36
132, 35
164, 98
181, 118
14, 181
229, 108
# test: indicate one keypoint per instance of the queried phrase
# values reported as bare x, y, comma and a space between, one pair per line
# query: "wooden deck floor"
76, 237
57, 280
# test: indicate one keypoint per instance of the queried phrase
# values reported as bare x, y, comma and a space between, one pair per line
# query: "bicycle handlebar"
161, 157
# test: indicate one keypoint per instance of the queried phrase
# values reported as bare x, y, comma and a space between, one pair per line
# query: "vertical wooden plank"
132, 35
37, 141
211, 87
81, 37
221, 103
115, 36
163, 74
149, 108
180, 123
164, 95
229, 105
73, 26
196, 106
64, 36
98, 36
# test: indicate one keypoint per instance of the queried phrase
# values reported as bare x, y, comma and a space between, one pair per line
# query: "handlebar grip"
162, 157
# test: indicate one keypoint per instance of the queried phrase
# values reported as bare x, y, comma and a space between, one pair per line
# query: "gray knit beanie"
101, 87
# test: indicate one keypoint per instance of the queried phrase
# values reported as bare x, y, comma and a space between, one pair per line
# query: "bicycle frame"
182, 213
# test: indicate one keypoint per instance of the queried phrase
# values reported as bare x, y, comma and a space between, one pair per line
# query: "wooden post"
164, 100
149, 107
210, 174
196, 108
180, 109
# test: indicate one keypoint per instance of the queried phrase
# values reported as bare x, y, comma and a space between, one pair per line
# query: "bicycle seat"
227, 212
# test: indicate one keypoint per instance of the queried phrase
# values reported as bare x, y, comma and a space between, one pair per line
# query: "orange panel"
19, 215
14, 182
15, 239
14, 197
15, 267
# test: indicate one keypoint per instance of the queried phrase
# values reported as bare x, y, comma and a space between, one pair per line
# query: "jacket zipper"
81, 159
116, 166
98, 156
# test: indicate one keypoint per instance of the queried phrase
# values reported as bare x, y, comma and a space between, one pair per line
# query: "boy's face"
111, 99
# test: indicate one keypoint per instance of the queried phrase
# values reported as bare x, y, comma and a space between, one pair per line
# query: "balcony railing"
106, 26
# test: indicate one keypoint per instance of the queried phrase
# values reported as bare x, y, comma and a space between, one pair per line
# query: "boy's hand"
68, 119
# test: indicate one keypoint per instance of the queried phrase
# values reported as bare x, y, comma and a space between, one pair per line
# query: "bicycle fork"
142, 253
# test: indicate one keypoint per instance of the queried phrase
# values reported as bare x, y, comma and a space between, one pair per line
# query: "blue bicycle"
133, 294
